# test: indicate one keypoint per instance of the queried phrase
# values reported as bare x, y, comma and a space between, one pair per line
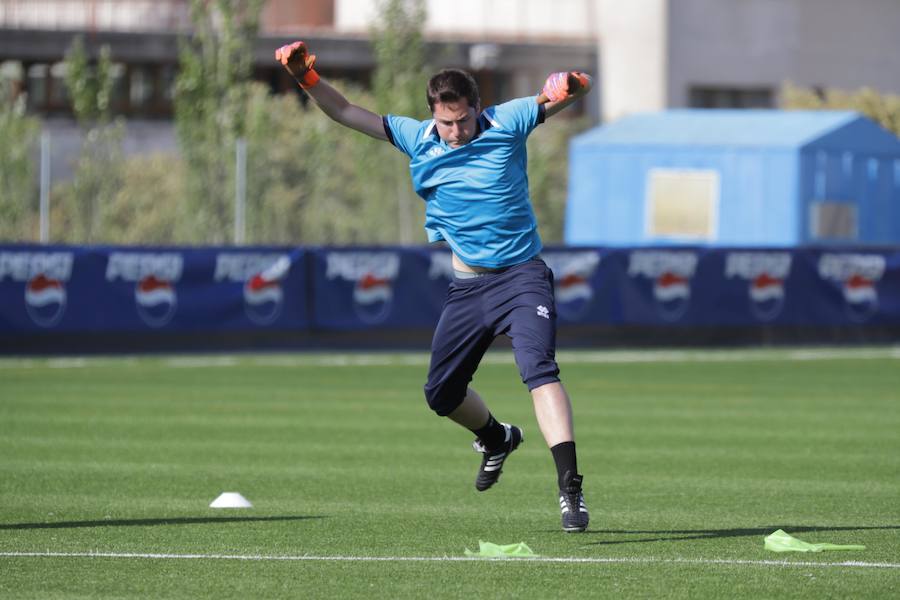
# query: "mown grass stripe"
496, 357
542, 559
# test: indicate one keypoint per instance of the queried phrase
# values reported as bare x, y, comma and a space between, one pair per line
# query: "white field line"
362, 359
540, 559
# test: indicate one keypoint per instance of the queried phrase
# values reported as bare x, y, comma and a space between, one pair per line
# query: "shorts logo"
572, 274
260, 276
765, 274
155, 276
45, 275
543, 311
671, 273
373, 275
857, 274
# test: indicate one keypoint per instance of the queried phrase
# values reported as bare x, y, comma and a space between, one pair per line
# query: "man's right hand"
298, 62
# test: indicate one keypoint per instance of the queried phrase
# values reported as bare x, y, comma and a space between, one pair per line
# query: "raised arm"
562, 89
297, 60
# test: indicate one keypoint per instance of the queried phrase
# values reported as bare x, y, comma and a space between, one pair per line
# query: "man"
469, 165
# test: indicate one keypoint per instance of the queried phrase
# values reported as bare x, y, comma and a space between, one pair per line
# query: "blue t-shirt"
476, 196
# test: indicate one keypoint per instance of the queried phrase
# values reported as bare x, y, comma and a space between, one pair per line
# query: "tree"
18, 134
79, 206
212, 92
548, 174
881, 108
399, 87
147, 208
312, 182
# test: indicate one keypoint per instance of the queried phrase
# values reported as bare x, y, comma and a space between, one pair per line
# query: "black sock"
566, 460
493, 434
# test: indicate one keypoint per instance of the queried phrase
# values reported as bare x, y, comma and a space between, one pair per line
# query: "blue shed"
735, 178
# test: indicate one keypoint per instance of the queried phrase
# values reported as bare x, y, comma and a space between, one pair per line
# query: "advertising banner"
369, 288
144, 289
92, 289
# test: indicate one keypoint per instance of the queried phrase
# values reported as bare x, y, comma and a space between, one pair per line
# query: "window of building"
140, 90
728, 97
58, 96
167, 83
119, 94
37, 85
833, 221
682, 204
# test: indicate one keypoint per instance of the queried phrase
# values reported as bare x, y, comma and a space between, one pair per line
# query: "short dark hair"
452, 85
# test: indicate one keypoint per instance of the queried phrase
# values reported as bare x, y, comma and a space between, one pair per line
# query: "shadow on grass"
151, 522
677, 535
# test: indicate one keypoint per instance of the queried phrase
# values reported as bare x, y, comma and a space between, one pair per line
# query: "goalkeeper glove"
299, 63
560, 86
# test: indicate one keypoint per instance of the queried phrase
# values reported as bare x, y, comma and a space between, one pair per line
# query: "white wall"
130, 15
478, 18
632, 50
833, 43
652, 51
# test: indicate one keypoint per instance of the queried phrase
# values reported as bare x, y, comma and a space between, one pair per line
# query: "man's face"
456, 122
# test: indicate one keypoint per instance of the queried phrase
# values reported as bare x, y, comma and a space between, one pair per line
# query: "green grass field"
690, 460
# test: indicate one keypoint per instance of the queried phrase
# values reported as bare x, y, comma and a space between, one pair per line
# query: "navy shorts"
517, 302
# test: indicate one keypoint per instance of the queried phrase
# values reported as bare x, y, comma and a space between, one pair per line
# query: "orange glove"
299, 63
563, 85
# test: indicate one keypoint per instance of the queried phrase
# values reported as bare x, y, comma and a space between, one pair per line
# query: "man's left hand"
563, 85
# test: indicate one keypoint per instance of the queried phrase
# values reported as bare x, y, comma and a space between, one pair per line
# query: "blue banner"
94, 289
143, 289
366, 288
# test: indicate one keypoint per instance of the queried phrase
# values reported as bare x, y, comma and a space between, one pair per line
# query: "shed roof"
839, 130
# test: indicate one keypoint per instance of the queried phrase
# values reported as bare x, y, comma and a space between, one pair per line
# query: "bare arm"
299, 63
575, 86
336, 106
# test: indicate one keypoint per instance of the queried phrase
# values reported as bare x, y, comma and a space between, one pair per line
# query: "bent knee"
444, 397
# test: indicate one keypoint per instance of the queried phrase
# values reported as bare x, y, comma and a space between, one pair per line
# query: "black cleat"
575, 515
492, 461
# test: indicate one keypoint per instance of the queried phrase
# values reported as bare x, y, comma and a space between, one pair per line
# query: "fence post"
240, 194
45, 187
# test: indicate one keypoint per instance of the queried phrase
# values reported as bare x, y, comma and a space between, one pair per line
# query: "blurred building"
735, 178
509, 46
647, 54
657, 54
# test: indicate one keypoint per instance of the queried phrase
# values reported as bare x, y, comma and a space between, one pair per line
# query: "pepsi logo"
857, 275
156, 301
263, 299
44, 276
572, 275
765, 274
45, 300
372, 298
263, 296
673, 295
259, 276
573, 296
861, 297
670, 273
372, 275
766, 296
